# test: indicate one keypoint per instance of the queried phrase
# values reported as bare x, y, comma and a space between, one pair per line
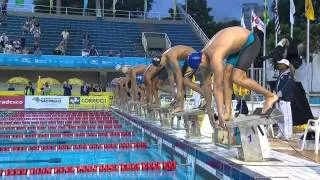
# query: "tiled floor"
285, 163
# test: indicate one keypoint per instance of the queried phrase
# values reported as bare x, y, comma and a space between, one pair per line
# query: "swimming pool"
85, 152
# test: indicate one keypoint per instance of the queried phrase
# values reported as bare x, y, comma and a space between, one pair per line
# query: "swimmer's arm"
133, 76
177, 72
218, 70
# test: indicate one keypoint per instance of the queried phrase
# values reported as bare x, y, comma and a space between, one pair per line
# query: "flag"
174, 8
85, 4
51, 4
114, 6
309, 10
265, 13
292, 11
19, 2
145, 6
276, 18
256, 22
243, 24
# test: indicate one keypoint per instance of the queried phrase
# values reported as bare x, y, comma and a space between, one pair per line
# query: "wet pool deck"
284, 162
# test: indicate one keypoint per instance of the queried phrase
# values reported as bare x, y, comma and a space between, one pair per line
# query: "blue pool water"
35, 159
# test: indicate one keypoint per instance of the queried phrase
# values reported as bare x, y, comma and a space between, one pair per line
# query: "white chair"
313, 125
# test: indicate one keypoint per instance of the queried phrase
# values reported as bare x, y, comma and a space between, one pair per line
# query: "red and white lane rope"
62, 127
101, 168
58, 122
67, 135
67, 147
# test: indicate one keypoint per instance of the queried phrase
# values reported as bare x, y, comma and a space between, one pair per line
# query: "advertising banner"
89, 102
46, 102
11, 102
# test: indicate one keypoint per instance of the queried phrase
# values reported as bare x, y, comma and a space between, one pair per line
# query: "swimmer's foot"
228, 116
177, 110
269, 103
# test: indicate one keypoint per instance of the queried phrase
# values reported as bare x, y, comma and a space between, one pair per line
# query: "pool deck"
284, 162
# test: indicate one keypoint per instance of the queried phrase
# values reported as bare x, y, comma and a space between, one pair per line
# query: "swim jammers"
247, 54
163, 74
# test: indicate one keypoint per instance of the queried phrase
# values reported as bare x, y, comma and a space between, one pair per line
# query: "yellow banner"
11, 93
90, 102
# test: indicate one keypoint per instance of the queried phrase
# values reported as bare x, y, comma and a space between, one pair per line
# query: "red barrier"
144, 166
64, 127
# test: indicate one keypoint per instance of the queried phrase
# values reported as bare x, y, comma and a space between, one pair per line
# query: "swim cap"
194, 60
156, 61
118, 67
125, 68
139, 79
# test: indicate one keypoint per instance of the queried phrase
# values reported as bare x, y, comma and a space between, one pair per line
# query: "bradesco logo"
11, 102
8, 102
93, 100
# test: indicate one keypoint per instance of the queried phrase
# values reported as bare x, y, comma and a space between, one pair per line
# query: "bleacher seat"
105, 35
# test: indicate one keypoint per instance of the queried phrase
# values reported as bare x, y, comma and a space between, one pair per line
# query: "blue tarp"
53, 61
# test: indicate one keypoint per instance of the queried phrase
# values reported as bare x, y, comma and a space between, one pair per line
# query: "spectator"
46, 90
37, 51
120, 54
86, 40
11, 88
60, 49
27, 26
284, 87
91, 88
23, 41
4, 40
67, 89
16, 44
36, 36
4, 9
29, 90
93, 51
84, 90
97, 88
110, 53
65, 37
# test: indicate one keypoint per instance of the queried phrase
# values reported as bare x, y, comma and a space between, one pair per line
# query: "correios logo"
74, 100
7, 102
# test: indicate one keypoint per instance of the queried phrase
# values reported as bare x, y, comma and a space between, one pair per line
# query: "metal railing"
168, 42
144, 42
12, 7
197, 28
257, 75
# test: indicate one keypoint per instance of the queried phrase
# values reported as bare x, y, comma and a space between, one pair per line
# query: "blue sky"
221, 8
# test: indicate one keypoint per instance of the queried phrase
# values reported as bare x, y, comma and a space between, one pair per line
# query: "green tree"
300, 26
200, 12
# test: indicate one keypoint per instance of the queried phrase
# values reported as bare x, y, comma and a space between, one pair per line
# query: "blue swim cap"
156, 61
194, 60
139, 79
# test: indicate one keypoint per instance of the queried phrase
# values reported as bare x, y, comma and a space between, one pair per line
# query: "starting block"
191, 123
162, 114
252, 134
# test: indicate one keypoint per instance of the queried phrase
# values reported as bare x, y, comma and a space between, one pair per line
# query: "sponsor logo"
93, 101
10, 102
74, 100
46, 100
